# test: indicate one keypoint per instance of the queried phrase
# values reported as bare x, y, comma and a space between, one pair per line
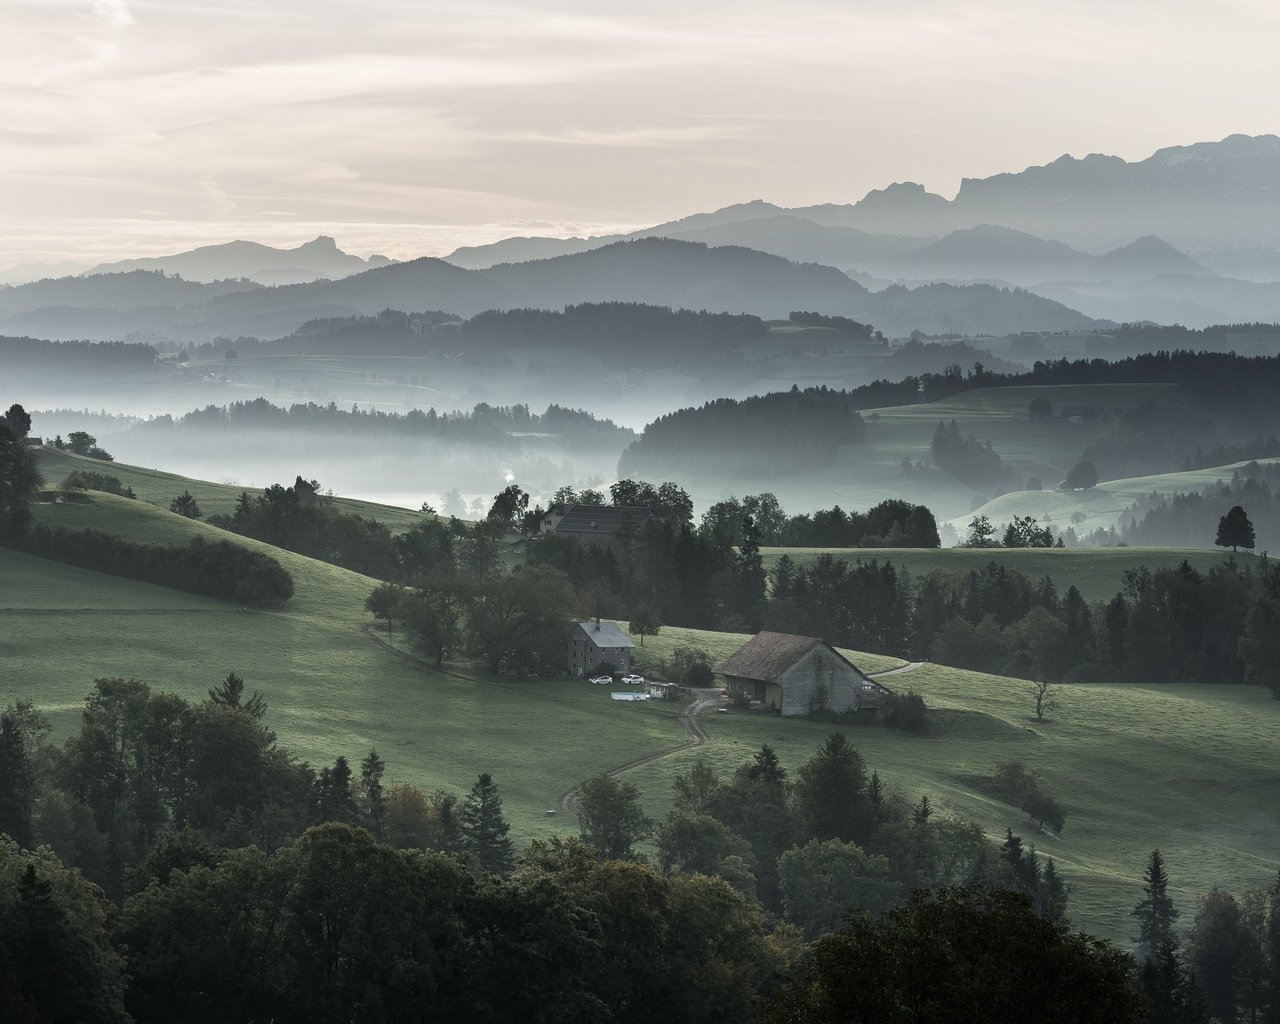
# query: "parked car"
633, 680
602, 680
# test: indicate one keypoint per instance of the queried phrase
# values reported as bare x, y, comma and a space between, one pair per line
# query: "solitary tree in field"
185, 505
644, 623
1234, 530
1042, 691
484, 829
981, 534
1155, 911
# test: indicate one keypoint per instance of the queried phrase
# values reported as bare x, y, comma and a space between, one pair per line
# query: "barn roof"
767, 655
605, 634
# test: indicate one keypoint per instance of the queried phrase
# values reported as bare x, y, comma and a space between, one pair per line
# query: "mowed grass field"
1097, 572
331, 689
157, 487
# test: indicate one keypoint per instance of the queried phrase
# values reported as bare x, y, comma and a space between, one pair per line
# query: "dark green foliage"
961, 956
56, 960
1234, 530
1155, 911
374, 812
509, 506
17, 781
1170, 989
644, 623
1083, 475
230, 694
17, 420
334, 799
969, 460
1026, 532
831, 793
218, 569
775, 433
19, 478
906, 712
1216, 942
1040, 409
83, 480
610, 817
483, 829
892, 524
1045, 811
185, 505
300, 519
81, 443
384, 602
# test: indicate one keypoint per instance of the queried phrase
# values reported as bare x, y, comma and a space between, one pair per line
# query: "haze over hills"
663, 272
315, 260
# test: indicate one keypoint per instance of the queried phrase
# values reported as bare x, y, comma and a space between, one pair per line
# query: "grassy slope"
1097, 572
1190, 769
1099, 506
332, 690
159, 488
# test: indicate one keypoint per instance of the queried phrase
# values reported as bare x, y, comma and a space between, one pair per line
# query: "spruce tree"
1052, 898
1271, 942
832, 793
371, 770
484, 829
335, 801
17, 782
1155, 911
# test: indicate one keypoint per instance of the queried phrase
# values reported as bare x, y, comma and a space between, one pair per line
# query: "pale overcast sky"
408, 127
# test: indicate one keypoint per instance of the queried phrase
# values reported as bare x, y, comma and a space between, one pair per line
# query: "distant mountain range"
656, 271
1190, 235
319, 259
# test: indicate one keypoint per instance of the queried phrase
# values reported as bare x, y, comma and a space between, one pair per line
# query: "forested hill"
761, 435
485, 423
794, 430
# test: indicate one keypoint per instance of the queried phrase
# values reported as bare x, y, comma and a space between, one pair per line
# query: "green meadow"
1191, 769
1100, 506
157, 487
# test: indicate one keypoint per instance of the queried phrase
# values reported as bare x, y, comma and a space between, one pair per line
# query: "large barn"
592, 644
798, 675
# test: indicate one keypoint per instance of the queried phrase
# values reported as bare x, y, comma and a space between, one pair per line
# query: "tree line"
248, 885
216, 568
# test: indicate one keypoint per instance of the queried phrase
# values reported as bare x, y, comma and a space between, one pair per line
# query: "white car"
602, 680
633, 680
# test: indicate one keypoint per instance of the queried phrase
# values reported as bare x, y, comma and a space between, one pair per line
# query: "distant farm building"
594, 524
592, 644
798, 675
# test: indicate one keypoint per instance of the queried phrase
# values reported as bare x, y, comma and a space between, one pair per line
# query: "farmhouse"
591, 644
594, 524
798, 675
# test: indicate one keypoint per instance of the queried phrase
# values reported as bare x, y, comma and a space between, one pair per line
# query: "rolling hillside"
1128, 763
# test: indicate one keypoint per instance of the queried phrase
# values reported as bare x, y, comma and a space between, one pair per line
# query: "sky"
409, 127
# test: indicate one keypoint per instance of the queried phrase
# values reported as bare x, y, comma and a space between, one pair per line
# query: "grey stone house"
590, 644
798, 675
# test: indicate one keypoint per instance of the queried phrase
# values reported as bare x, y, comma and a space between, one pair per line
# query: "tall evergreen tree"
375, 811
1215, 947
1169, 989
334, 799
832, 793
1054, 892
765, 766
17, 782
230, 694
484, 829
1271, 983
1155, 911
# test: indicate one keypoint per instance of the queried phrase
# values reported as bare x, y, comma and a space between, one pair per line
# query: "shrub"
906, 712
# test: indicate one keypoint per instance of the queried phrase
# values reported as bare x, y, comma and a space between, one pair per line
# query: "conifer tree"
1052, 898
335, 801
17, 783
484, 829
1155, 911
371, 771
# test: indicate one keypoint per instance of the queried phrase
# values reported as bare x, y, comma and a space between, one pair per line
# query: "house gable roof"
601, 520
603, 634
768, 655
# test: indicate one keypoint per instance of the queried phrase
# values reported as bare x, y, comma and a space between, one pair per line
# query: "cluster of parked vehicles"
628, 680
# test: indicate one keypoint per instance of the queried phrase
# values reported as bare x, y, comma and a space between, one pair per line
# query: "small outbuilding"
797, 675
593, 643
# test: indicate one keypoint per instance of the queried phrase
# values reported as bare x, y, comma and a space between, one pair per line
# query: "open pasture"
1190, 769
157, 487
1100, 506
